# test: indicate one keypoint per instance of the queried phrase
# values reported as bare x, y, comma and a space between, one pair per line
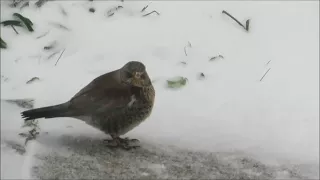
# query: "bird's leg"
114, 142
125, 143
127, 140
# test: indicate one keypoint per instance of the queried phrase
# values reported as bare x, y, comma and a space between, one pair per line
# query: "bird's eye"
128, 75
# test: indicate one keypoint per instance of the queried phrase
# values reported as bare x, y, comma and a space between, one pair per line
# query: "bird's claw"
125, 143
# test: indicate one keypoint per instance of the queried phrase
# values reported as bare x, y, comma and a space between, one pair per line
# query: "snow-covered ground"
275, 121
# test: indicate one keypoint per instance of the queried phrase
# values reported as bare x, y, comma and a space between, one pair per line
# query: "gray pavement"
69, 157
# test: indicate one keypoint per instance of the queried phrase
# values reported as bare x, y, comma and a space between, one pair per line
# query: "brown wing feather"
104, 93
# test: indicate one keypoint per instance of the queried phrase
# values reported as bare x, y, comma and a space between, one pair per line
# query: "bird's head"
134, 73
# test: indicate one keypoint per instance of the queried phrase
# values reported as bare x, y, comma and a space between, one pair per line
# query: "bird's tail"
59, 110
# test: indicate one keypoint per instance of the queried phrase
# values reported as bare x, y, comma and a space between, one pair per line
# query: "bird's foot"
124, 143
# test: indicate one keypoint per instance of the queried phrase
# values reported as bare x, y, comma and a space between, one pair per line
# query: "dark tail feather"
59, 110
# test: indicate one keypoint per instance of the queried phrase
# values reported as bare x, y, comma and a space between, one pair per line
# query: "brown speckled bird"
114, 103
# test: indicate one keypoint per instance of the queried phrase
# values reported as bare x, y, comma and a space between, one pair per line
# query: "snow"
276, 119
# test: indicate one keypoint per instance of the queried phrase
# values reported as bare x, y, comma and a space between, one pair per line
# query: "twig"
32, 79
265, 74
185, 51
60, 26
113, 10
63, 11
185, 48
52, 45
189, 44
144, 8
215, 57
14, 29
42, 35
151, 13
247, 22
59, 57
182, 62
53, 54
268, 62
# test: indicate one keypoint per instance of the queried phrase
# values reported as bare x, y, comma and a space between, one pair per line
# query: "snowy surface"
273, 122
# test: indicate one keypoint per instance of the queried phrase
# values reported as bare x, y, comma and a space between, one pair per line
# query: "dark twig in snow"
51, 55
144, 8
63, 11
60, 26
59, 57
52, 45
215, 57
14, 29
265, 74
247, 24
244, 27
189, 44
185, 48
32, 80
268, 62
113, 10
41, 36
151, 13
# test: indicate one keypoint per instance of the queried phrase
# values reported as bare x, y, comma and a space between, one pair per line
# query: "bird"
114, 103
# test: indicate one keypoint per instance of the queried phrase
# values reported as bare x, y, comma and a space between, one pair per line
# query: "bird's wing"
104, 93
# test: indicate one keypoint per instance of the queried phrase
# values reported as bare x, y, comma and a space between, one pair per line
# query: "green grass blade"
25, 21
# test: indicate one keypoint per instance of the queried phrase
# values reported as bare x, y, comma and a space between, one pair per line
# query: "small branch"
265, 74
244, 27
215, 57
247, 24
51, 46
53, 54
151, 13
185, 51
42, 35
63, 11
14, 29
144, 8
189, 44
268, 62
60, 26
59, 57
185, 48
113, 10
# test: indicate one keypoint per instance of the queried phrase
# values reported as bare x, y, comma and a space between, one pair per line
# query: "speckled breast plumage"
123, 119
